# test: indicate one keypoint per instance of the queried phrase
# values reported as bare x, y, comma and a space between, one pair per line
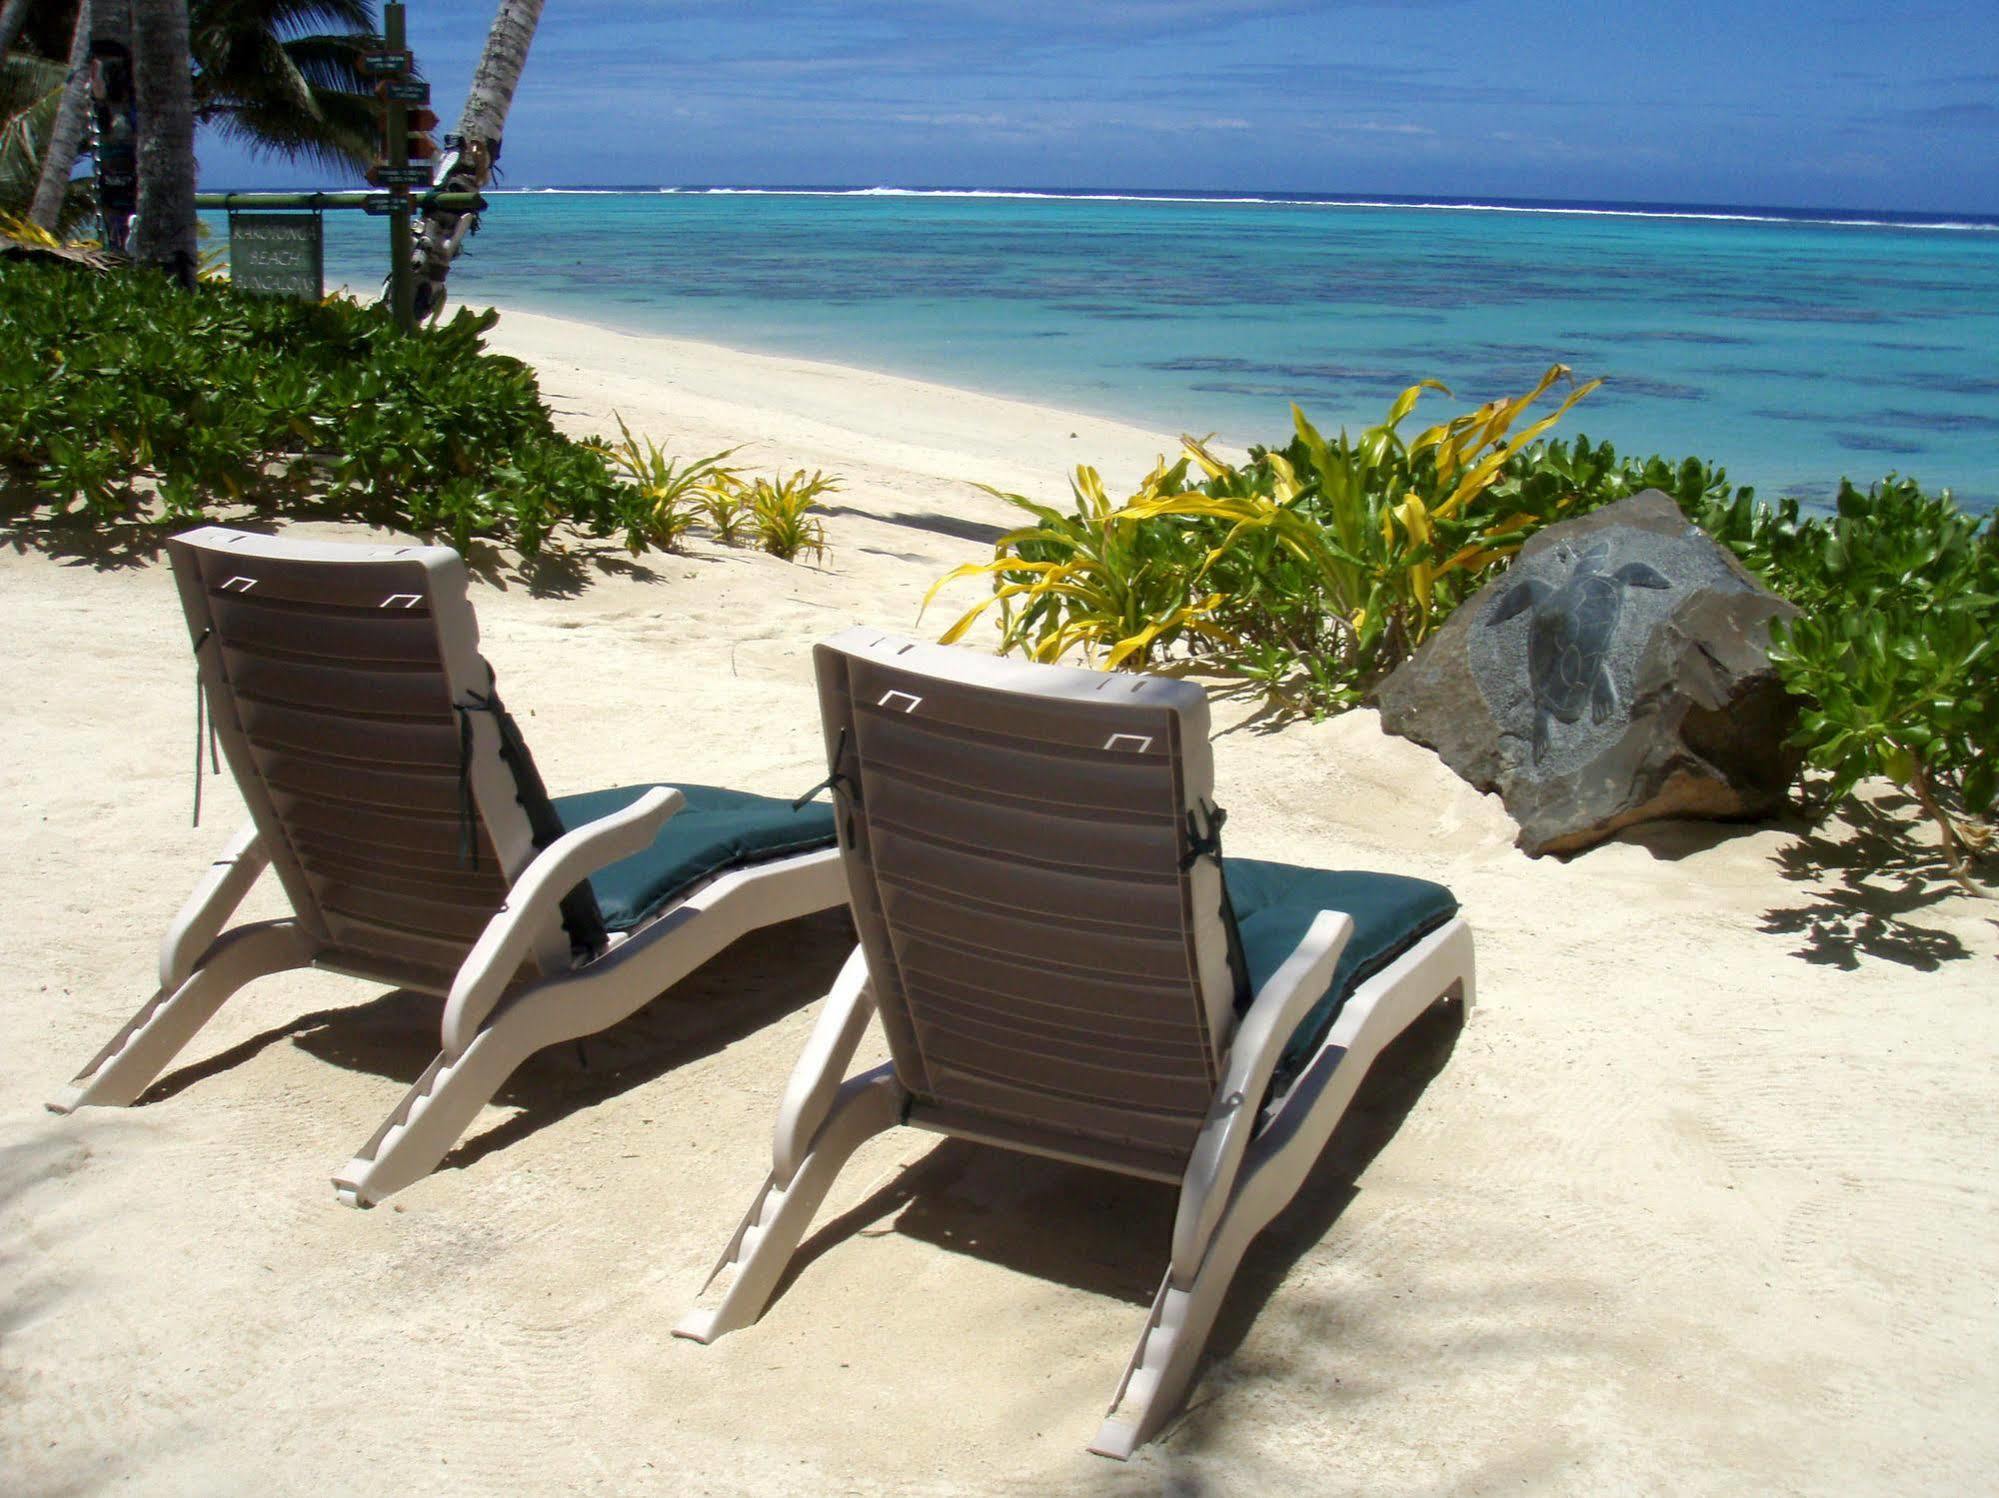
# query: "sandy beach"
1702, 1200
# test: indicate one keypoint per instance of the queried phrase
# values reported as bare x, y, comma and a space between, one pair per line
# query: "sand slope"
1703, 1199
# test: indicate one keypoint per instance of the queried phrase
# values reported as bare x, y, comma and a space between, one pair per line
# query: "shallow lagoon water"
1791, 351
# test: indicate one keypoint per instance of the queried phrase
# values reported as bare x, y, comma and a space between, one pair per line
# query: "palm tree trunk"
470, 166
12, 19
53, 186
164, 84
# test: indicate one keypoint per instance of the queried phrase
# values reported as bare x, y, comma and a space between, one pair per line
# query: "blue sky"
1821, 105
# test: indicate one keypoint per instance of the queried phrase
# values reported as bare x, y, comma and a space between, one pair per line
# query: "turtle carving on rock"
1570, 634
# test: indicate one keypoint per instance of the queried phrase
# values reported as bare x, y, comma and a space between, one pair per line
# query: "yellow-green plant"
726, 506
781, 508
1393, 534
26, 231
1082, 581
664, 496
1326, 560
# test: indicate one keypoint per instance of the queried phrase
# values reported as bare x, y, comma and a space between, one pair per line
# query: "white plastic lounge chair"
395, 800
1063, 964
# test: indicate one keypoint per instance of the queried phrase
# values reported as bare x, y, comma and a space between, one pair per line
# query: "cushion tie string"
1206, 844
468, 839
839, 781
201, 718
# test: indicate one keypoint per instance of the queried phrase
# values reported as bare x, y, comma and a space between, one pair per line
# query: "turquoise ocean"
1791, 347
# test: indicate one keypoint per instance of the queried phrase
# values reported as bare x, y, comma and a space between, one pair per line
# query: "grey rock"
1618, 672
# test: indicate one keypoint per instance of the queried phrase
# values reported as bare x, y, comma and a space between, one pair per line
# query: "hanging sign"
278, 254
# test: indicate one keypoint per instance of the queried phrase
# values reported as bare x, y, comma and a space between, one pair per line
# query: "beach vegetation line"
125, 399
1310, 571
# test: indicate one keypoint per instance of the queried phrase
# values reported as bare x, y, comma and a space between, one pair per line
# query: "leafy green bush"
724, 503
1314, 569
113, 384
1895, 655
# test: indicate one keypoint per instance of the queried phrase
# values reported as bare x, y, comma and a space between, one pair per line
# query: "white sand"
1703, 1200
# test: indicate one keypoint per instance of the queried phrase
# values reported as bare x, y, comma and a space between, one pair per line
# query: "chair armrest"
822, 1066
535, 897
214, 900
1259, 1041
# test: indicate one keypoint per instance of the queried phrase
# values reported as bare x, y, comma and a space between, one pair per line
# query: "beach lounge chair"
1062, 963
396, 801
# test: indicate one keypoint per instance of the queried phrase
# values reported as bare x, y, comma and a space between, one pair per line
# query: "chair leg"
742, 1283
1169, 1349
435, 1113
138, 1053
1273, 1170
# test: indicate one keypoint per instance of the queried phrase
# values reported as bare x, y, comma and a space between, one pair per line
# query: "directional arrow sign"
376, 64
405, 90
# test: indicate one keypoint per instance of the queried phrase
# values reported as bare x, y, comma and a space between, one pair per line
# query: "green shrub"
111, 385
726, 507
1314, 569
1894, 654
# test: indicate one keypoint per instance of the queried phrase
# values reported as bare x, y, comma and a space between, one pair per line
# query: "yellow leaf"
1198, 451
1406, 401
956, 632
1421, 579
1415, 519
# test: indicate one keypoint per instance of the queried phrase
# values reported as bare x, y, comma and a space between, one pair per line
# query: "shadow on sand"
1110, 1234
565, 570
935, 522
1871, 875
755, 982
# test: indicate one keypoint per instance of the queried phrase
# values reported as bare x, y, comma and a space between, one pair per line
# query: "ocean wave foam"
1836, 219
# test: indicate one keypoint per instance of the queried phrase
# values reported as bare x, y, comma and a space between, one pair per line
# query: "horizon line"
1941, 218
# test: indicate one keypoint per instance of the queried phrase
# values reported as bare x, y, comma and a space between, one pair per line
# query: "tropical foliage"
30, 94
1896, 653
122, 399
1080, 580
780, 508
669, 495
280, 76
1313, 569
283, 77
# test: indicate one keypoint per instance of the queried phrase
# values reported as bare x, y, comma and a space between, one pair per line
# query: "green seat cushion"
716, 831
1275, 904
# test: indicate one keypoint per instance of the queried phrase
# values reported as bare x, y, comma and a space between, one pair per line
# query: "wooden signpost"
407, 149
284, 252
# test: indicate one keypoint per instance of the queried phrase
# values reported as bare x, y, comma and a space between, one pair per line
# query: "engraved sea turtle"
1569, 636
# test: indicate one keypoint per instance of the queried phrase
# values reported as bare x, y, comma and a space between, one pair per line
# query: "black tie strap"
1204, 844
839, 781
200, 710
468, 831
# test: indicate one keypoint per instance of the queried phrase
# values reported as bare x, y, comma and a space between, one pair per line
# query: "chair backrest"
1049, 949
346, 689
